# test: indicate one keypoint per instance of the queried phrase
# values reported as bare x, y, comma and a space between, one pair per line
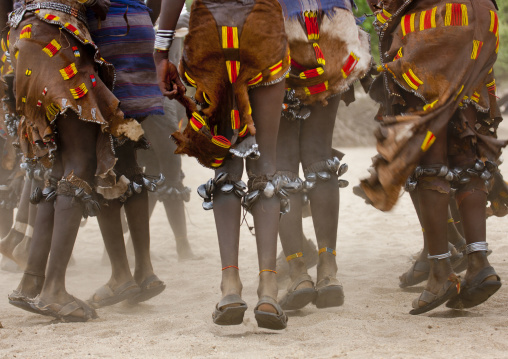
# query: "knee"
475, 186
434, 183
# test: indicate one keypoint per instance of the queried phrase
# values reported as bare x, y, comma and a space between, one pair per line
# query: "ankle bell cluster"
456, 176
34, 170
323, 170
292, 108
48, 193
80, 190
166, 192
150, 183
279, 185
222, 184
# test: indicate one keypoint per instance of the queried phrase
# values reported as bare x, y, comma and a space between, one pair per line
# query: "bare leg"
6, 220
16, 234
33, 278
227, 213
175, 212
112, 233
290, 227
434, 213
316, 145
266, 105
77, 142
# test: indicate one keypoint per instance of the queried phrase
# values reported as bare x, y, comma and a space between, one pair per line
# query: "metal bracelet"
477, 247
440, 256
164, 39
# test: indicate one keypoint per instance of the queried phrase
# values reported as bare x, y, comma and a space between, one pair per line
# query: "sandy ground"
374, 249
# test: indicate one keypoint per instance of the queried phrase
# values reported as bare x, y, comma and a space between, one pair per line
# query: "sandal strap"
421, 266
482, 275
231, 299
103, 292
427, 297
269, 300
69, 308
327, 282
302, 278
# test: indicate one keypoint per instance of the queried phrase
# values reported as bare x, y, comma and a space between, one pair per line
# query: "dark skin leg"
290, 226
136, 211
454, 210
112, 234
472, 206
10, 242
227, 212
472, 210
6, 221
77, 142
161, 159
434, 214
33, 278
20, 253
324, 198
175, 212
266, 104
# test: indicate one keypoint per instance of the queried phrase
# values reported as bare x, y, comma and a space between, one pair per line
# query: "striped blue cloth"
131, 52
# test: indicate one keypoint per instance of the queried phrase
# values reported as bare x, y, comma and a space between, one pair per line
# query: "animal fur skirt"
232, 47
437, 59
58, 69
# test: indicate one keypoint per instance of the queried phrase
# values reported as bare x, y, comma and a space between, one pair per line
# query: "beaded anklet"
267, 270
231, 267
329, 250
293, 256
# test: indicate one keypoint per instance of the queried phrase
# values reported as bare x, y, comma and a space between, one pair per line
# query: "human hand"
167, 77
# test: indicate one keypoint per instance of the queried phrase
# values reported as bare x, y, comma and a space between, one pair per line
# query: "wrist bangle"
163, 40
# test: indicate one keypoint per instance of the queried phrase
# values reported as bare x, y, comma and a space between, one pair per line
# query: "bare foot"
31, 285
327, 266
184, 250
297, 268
56, 301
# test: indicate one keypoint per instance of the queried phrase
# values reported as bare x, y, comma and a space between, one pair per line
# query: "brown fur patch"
263, 43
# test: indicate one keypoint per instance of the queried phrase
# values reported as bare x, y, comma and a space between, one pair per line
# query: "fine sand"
374, 249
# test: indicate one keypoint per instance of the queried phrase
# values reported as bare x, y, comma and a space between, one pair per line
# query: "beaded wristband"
293, 256
329, 250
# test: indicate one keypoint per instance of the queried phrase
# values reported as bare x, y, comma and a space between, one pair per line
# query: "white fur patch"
116, 191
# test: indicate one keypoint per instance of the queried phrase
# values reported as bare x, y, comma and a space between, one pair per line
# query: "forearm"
169, 13
155, 6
